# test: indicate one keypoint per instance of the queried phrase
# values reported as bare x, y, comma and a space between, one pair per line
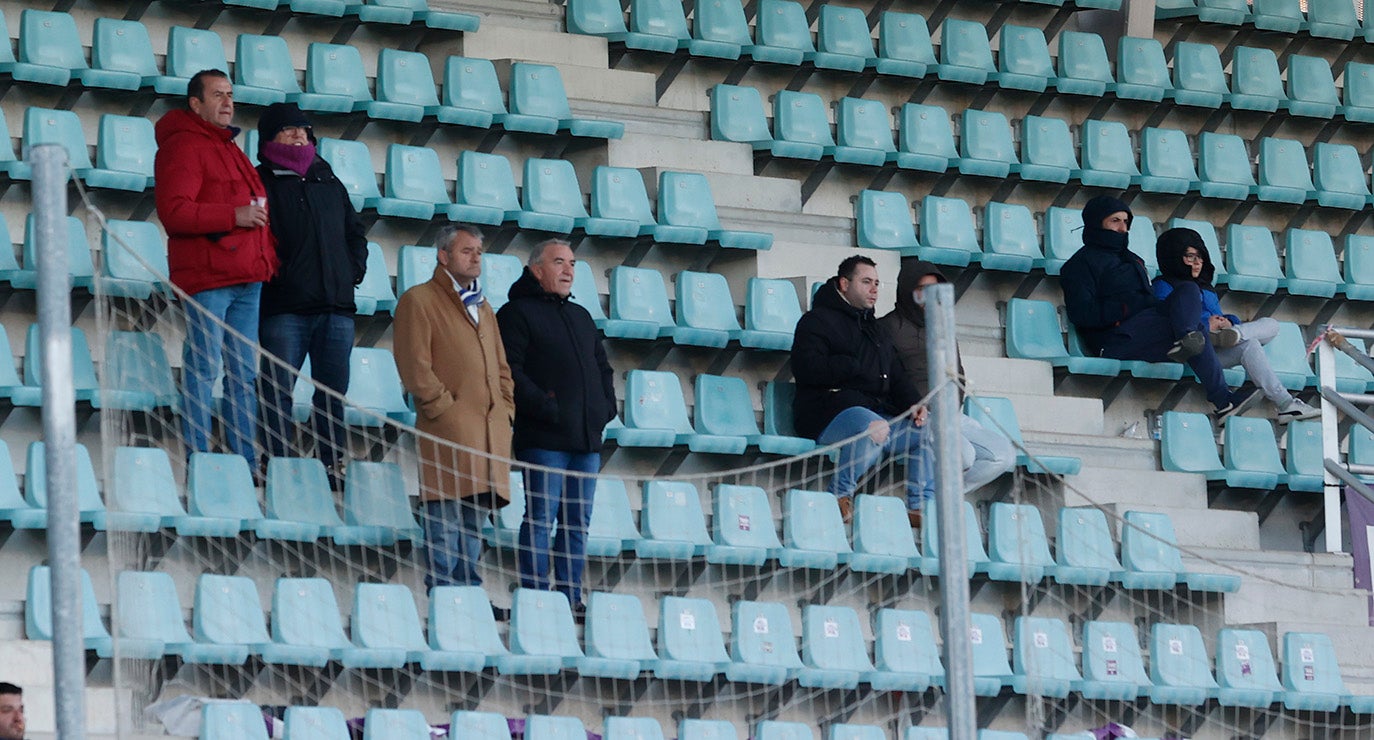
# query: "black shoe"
1241, 399
500, 614
579, 612
1191, 345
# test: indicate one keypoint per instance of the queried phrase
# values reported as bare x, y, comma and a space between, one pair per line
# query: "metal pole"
59, 437
949, 497
1331, 445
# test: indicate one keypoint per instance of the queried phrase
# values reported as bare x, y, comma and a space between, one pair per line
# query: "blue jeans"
856, 458
327, 339
206, 345
550, 496
453, 542
984, 453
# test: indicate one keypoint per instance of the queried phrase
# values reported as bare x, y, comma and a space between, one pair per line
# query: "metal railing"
1337, 472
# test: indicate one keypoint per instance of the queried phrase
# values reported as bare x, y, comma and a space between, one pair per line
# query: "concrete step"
1210, 528
1058, 414
526, 44
1293, 587
1127, 454
1354, 645
740, 192
1103, 485
998, 376
670, 153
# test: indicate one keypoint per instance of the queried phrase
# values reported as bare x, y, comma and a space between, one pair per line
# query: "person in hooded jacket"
1183, 258
851, 384
1108, 297
986, 453
564, 397
307, 308
219, 251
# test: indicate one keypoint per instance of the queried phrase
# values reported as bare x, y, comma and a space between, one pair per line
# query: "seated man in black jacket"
1109, 300
850, 382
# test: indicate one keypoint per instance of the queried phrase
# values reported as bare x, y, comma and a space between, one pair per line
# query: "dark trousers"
327, 339
1148, 335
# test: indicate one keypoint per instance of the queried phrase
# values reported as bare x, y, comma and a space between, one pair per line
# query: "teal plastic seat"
407, 12
1338, 174
83, 370
377, 510
882, 536
395, 724
1208, 232
315, 723
50, 50
1351, 377
927, 733
863, 132
719, 30
334, 80
973, 538
1251, 454
143, 495
38, 612
965, 54
771, 312
461, 624
948, 236
585, 293
352, 164
1108, 159
405, 87
782, 34
1284, 174
985, 144
1112, 667
657, 416
991, 671
1310, 262
812, 531
705, 729
1043, 662
485, 191
632, 728
743, 532
1061, 236
673, 523
1255, 80
762, 644
776, 730
16, 169
1047, 152
1252, 262
374, 294
232, 721
883, 221
1186, 445
597, 18
385, 618
13, 507
229, 615
1357, 91
834, 653
1089, 364
855, 732
1179, 666
778, 428
124, 154
88, 499
539, 104
1018, 550
1166, 163
1023, 59
1359, 267
1246, 672
925, 138
374, 388
1332, 19
1287, 354
1010, 242
843, 41
539, 727
219, 487
1199, 79
1311, 87
415, 186
690, 645
998, 414
1229, 12
121, 56
45, 126
687, 215
1141, 72
657, 25
1033, 332
705, 310
619, 204
1284, 16
905, 657
639, 305
612, 528
904, 46
551, 198
414, 265
1150, 553
263, 72
472, 94
300, 507
1224, 166
616, 637
542, 636
724, 420
1083, 66
1142, 243
148, 612
136, 373
189, 50
1084, 552
479, 725
1311, 675
737, 115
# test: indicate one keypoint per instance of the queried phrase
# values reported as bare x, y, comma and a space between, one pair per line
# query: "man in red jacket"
220, 250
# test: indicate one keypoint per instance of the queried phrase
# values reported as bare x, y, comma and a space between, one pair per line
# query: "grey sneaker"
1228, 337
1297, 410
1189, 346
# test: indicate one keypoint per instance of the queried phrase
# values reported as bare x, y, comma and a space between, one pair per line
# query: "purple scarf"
295, 158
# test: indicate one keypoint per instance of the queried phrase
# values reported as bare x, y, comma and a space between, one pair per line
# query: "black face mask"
1098, 236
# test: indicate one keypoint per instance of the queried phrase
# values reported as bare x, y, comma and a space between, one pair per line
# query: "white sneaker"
1296, 410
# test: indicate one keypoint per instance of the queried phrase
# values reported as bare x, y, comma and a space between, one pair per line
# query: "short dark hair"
9, 688
196, 87
849, 264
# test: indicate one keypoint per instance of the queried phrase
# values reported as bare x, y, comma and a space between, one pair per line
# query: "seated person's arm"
1086, 308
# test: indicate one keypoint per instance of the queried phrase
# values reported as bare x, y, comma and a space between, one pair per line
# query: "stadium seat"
1209, 239
1141, 72
374, 293
1033, 333
189, 50
619, 204
50, 50
374, 389
1251, 454
863, 132
250, 146
1088, 364
782, 33
1229, 12
405, 87
539, 727
674, 526
148, 612
1255, 80
1351, 377
461, 623
904, 46
385, 618
1107, 156
1332, 19
1043, 661
1166, 163
1149, 550
38, 612
300, 507
1284, 174
315, 723
1357, 91
472, 93
743, 532
948, 236
973, 539
925, 138
415, 186
616, 637
305, 621
762, 644
550, 197
352, 164
1252, 262
1224, 165
542, 637
1338, 173
883, 221
719, 30
238, 720
705, 310
121, 56
229, 615
408, 12
219, 487
83, 370
1142, 243
985, 144
855, 732
1246, 672
133, 259
1198, 76
1010, 242
724, 413
991, 671
539, 104
704, 729
1112, 666
334, 80
485, 191
1018, 550
1061, 227
45, 126
999, 415
690, 646
1310, 263
484, 725
928, 733
965, 54
1023, 59
414, 265
778, 730
612, 528
882, 536
597, 18
1311, 87
812, 531
904, 652
1179, 667
771, 311
632, 728
9, 164
1310, 673
737, 115
687, 215
1083, 66
1359, 267
657, 416
13, 508
1186, 445
136, 373
639, 305
1047, 152
263, 72
834, 653
843, 41
1284, 16
584, 291
124, 154
1084, 552
1288, 357
657, 25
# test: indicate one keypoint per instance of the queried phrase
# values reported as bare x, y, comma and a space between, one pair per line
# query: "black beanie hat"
278, 116
1099, 208
1169, 249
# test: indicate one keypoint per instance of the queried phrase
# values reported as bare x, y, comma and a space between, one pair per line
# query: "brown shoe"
847, 509
914, 516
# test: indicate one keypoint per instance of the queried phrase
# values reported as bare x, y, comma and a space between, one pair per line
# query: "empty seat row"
124, 152
135, 375
1251, 452
723, 418
1332, 19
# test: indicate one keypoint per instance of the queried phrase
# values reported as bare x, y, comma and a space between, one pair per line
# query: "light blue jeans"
453, 542
985, 453
904, 441
207, 344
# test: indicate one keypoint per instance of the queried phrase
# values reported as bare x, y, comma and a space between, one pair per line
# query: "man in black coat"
1109, 300
850, 383
307, 308
564, 396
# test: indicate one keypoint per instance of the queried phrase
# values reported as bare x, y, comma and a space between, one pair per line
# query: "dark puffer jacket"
564, 393
1104, 283
906, 325
841, 358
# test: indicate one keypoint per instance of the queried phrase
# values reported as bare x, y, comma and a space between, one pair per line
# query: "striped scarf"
472, 297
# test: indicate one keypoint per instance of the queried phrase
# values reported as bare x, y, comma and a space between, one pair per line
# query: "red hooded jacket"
202, 176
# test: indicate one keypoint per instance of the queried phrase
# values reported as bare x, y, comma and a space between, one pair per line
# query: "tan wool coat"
457, 372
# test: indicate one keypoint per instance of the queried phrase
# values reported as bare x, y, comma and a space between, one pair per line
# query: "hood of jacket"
911, 274
829, 297
183, 121
1097, 210
527, 286
1169, 249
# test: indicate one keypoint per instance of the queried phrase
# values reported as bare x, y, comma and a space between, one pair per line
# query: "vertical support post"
949, 495
1331, 447
59, 437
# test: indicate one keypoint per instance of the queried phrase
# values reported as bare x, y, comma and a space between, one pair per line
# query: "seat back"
143, 483
1164, 152
782, 24
1106, 147
375, 495
540, 727
689, 630
1085, 539
1033, 331
742, 518
658, 17
905, 37
1111, 654
638, 293
843, 31
986, 135
1222, 158
884, 220
723, 407
471, 83
1062, 239
1304, 456
864, 124
315, 723
612, 520
904, 641
1310, 255
811, 521
460, 620
537, 90
1338, 168
1022, 50
304, 613
616, 628
761, 634
721, 22
1197, 69
136, 363
1083, 56
704, 302
1359, 260
232, 721
633, 728
298, 491
1042, 651
38, 610
79, 266
1250, 252
1283, 163
1178, 657
657, 401
36, 480
46, 126
227, 611
1148, 543
880, 526
189, 50
989, 640
352, 164
405, 77
122, 46
1255, 72
1016, 535
126, 144
499, 273
1140, 62
335, 69
133, 250
595, 17
1310, 665
619, 192
584, 291
220, 485
684, 199
737, 115
672, 512
1287, 355
479, 725
926, 129
1248, 444
374, 293
1047, 142
833, 640
973, 536
542, 624
486, 180
1244, 661
771, 305
147, 608
1310, 80
413, 173
395, 724
947, 223
550, 186
965, 44
1009, 230
995, 414
384, 616
265, 61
